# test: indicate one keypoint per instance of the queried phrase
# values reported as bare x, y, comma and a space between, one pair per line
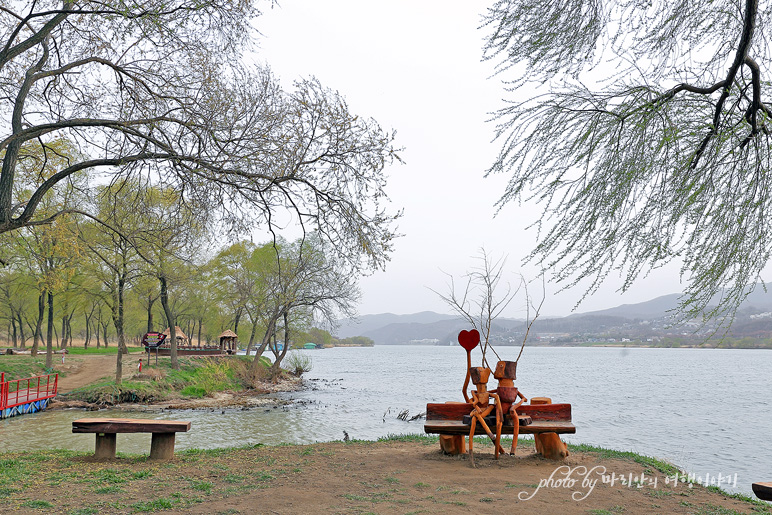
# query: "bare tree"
648, 142
307, 280
484, 298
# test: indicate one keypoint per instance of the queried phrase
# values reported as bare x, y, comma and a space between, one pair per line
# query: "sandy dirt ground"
368, 477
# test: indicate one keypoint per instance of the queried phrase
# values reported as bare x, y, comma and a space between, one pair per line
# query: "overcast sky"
415, 66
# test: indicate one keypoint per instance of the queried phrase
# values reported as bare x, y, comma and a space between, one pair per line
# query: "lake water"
706, 410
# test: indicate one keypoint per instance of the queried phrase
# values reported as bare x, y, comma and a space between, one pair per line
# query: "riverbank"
87, 381
401, 475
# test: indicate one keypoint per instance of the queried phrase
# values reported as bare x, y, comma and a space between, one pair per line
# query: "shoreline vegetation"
397, 474
86, 380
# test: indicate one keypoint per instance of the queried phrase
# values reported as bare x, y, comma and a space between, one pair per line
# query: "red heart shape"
469, 339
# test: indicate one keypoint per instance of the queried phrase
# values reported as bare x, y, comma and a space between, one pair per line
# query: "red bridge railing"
23, 391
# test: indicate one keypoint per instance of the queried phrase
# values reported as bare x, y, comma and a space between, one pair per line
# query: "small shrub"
298, 363
214, 376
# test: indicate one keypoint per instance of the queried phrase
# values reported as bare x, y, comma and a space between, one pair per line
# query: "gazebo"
182, 339
228, 342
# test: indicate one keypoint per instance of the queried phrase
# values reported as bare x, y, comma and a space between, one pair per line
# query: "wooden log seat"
448, 419
163, 434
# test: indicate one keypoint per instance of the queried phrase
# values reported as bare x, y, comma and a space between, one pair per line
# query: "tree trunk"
63, 343
276, 367
266, 339
105, 324
88, 330
150, 302
21, 332
39, 324
69, 327
170, 319
200, 322
98, 325
118, 323
50, 332
251, 337
13, 325
236, 321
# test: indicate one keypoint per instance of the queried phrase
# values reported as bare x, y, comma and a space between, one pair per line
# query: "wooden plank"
128, 425
456, 410
453, 427
763, 491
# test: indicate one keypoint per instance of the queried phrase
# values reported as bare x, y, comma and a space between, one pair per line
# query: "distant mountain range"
649, 321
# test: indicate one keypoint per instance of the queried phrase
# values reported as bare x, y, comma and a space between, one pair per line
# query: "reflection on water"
705, 410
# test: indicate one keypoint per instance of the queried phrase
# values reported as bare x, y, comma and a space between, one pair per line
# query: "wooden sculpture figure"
482, 407
509, 395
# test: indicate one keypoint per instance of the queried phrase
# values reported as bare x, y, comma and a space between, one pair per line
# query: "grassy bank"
197, 377
394, 475
18, 367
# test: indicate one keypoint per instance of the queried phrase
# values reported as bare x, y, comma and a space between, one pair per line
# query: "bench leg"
162, 446
551, 446
105, 446
453, 444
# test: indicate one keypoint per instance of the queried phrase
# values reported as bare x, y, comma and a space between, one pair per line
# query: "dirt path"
86, 369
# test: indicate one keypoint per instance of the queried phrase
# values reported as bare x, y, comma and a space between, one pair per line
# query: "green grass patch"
412, 438
19, 367
197, 392
37, 504
6, 491
616, 510
84, 511
112, 489
202, 486
154, 505
662, 466
711, 509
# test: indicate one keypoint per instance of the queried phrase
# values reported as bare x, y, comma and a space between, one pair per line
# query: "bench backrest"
457, 410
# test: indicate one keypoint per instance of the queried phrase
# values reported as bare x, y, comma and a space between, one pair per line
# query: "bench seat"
453, 427
163, 434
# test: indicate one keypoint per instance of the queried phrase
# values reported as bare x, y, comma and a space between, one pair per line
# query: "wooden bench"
448, 419
163, 431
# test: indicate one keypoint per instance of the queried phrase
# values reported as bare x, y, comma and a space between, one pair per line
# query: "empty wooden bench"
448, 419
163, 434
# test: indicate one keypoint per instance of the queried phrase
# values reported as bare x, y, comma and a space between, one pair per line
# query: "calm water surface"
707, 411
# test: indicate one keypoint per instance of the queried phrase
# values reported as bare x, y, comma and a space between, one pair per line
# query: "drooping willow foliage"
648, 139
